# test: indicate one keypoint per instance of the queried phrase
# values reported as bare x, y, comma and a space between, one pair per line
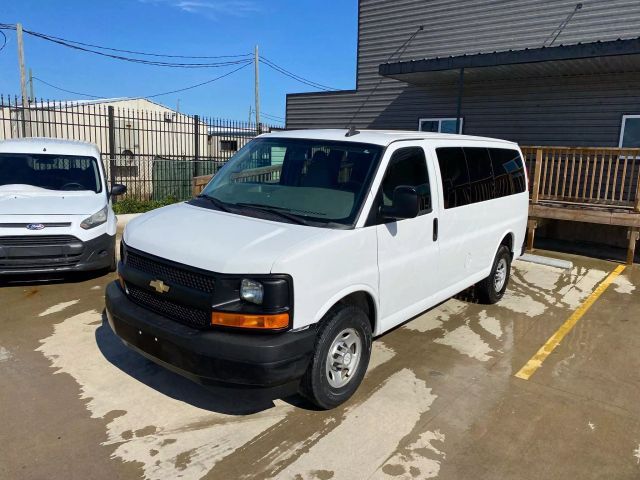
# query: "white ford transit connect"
55, 209
307, 244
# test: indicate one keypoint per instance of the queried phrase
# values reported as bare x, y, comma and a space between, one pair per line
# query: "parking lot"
440, 398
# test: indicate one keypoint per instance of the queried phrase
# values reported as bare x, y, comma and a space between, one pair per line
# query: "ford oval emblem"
35, 226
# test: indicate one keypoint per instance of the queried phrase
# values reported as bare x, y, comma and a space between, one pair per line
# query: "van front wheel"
491, 289
340, 358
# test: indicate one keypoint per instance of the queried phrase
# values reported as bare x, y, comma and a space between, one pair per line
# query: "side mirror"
118, 190
405, 204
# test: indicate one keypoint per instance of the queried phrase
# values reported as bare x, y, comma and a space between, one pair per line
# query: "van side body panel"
468, 239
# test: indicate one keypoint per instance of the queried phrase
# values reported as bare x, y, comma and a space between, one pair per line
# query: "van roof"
54, 146
378, 137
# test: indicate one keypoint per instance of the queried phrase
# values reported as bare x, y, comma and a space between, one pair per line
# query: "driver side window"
407, 167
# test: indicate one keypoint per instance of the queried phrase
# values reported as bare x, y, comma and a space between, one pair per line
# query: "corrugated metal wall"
576, 110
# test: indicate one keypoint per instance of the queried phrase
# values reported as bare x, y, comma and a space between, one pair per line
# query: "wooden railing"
199, 183
606, 177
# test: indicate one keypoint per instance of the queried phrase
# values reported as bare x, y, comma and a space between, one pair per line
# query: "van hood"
216, 241
26, 200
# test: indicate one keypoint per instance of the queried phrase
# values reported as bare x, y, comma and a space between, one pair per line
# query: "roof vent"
352, 131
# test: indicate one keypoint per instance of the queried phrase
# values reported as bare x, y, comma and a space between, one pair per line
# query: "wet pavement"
440, 399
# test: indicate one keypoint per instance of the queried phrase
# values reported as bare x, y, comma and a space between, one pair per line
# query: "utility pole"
257, 82
23, 77
31, 95
250, 113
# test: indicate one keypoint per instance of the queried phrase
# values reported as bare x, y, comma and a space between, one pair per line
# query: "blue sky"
314, 39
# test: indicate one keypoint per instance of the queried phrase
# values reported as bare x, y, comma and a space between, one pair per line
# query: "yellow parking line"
536, 361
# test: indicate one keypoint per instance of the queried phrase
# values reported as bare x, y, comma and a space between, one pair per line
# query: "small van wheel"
340, 358
491, 289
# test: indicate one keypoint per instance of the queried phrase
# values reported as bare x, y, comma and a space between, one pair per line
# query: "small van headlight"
94, 220
251, 291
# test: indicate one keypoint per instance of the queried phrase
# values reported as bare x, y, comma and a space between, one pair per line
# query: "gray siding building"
509, 67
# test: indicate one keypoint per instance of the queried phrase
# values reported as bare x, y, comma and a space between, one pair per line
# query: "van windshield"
314, 181
50, 172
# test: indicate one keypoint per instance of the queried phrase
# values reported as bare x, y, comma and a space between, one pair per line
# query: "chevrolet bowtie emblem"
159, 286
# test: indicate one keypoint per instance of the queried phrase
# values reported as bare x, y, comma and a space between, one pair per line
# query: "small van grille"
169, 273
35, 240
192, 317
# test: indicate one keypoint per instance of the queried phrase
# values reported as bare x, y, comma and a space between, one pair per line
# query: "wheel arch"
360, 296
508, 240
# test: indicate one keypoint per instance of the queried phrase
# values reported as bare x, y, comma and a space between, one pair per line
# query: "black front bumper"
210, 356
73, 256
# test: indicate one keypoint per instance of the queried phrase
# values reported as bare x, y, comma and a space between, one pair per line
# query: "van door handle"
435, 229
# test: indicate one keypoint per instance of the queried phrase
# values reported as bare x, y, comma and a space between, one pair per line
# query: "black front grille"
189, 316
170, 273
36, 240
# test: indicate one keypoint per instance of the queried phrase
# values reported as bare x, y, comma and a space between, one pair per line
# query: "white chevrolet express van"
55, 209
307, 244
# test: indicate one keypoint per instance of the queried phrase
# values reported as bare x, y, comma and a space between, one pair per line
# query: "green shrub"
132, 205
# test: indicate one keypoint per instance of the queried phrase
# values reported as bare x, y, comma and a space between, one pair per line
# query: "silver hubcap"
501, 275
343, 358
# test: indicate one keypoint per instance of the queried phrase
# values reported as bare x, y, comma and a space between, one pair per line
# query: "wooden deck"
591, 185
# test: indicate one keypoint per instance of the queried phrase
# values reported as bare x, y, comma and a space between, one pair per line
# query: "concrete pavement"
440, 399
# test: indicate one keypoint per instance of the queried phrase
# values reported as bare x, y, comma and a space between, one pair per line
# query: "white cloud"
211, 8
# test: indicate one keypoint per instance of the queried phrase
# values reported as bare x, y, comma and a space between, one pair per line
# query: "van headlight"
94, 220
251, 291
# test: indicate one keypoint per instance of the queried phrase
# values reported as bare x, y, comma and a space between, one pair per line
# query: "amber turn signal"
264, 322
121, 282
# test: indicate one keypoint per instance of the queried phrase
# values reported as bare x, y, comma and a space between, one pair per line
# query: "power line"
4, 40
296, 77
146, 96
65, 90
274, 117
201, 84
80, 46
148, 54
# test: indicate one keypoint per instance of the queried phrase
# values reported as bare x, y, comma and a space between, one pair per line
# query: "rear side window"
455, 177
407, 167
508, 172
472, 175
480, 174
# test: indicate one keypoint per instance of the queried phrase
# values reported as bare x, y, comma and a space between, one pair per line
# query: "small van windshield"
51, 172
315, 181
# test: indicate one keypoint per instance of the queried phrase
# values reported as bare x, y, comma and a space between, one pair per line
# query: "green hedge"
131, 205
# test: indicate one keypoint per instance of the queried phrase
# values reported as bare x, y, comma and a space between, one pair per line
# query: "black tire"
316, 383
487, 290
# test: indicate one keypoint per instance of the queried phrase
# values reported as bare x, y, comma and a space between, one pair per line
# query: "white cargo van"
55, 207
307, 244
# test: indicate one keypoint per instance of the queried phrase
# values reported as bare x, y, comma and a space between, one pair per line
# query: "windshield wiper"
219, 204
280, 211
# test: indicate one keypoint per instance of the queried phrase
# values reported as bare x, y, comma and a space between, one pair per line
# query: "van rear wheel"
340, 359
491, 289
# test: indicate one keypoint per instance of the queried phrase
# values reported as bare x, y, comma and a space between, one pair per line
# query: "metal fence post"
112, 146
196, 145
